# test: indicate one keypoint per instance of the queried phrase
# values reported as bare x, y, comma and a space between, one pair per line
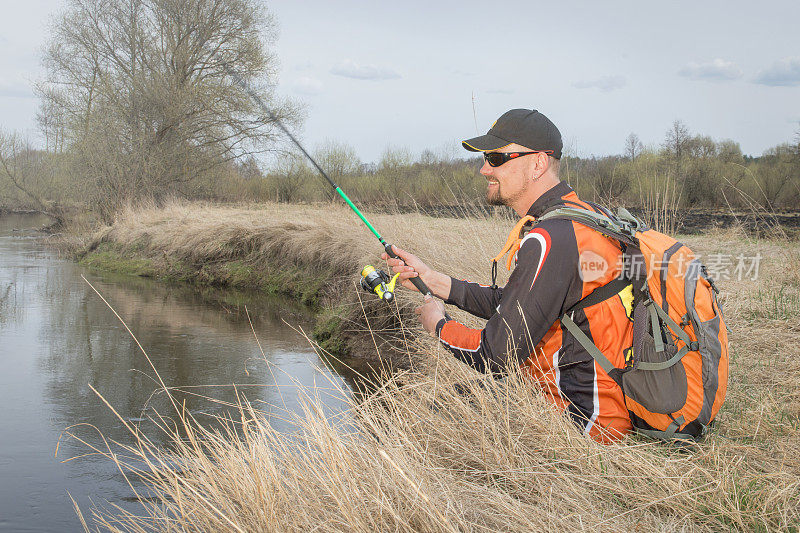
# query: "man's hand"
410, 266
430, 313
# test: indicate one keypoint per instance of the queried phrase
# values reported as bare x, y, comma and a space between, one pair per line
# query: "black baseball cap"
527, 127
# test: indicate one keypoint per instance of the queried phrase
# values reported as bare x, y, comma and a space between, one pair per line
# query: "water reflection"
57, 337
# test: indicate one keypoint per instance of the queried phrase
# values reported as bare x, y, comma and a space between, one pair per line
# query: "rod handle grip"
418, 283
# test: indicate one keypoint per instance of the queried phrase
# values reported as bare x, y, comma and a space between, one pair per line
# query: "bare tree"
395, 163
797, 145
248, 168
338, 159
633, 147
290, 174
143, 90
701, 146
778, 180
677, 139
53, 125
729, 151
428, 158
23, 176
676, 144
609, 183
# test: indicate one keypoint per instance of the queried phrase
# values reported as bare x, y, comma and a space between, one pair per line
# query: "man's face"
509, 182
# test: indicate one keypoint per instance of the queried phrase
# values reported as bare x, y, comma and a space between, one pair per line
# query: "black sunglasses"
495, 159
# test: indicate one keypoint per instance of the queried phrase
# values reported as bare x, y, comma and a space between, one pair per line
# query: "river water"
57, 337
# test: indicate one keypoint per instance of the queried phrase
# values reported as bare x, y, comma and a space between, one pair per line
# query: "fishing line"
418, 283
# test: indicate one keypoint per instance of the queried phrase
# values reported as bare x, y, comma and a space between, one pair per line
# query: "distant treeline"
685, 171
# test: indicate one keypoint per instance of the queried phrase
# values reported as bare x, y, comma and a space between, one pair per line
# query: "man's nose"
486, 170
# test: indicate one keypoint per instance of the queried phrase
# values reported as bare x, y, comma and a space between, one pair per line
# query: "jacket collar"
551, 197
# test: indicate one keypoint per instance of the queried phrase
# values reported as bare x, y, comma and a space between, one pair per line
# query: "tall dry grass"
441, 448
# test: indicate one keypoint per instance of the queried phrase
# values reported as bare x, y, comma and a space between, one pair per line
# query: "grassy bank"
312, 254
271, 249
422, 454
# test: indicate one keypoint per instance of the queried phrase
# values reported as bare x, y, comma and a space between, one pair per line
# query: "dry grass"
203, 233
422, 454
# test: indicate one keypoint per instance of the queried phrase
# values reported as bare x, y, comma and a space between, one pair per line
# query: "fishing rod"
383, 287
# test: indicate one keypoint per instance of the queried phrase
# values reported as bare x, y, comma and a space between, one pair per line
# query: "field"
437, 447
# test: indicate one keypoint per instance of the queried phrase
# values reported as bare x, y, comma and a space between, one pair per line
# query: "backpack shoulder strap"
600, 294
587, 344
596, 221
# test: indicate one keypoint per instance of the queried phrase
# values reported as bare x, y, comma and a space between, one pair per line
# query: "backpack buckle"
627, 228
709, 279
493, 286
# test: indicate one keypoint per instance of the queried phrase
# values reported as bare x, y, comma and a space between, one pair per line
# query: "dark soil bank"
690, 222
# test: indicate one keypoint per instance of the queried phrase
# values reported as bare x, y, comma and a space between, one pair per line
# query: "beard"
493, 197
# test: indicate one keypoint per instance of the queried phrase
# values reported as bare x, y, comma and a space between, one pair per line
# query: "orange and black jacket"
523, 323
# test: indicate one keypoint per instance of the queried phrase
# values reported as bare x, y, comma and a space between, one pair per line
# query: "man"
558, 263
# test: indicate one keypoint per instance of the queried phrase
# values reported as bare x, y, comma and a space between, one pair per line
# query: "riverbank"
421, 454
311, 254
271, 250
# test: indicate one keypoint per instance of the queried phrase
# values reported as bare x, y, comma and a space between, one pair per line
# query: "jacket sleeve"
474, 298
543, 284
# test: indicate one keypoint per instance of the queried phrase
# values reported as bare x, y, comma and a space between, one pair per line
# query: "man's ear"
542, 163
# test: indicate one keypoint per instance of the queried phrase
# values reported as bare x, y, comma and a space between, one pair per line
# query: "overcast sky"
378, 74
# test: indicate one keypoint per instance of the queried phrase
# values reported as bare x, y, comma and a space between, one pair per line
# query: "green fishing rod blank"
417, 282
360, 214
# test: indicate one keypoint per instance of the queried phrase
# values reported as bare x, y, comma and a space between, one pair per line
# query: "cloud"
307, 86
15, 89
716, 70
350, 69
605, 84
500, 91
783, 73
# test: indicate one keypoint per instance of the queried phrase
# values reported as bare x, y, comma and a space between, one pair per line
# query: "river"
57, 337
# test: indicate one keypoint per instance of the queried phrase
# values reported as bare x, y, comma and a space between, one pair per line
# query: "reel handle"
417, 281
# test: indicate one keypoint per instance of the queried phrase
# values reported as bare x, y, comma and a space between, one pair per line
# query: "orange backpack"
676, 375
